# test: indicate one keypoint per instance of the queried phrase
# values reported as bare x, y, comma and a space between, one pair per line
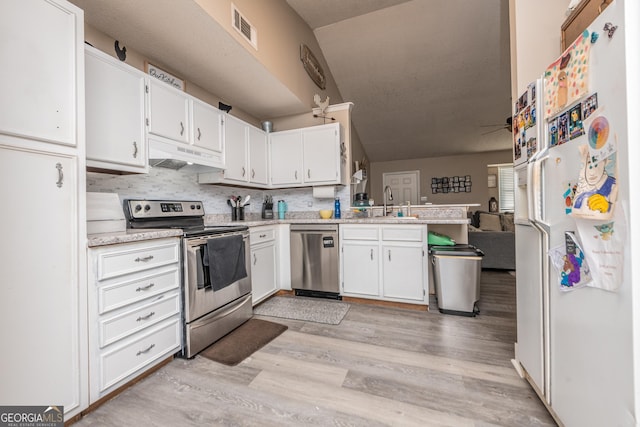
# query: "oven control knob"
198, 207
146, 208
138, 208
193, 207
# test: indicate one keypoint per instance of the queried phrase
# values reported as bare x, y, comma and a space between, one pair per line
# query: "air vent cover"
244, 27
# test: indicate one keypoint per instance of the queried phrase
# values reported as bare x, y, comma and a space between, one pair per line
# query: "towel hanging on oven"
226, 260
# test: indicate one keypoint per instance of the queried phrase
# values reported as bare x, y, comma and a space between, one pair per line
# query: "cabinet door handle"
244, 172
308, 173
135, 150
145, 317
296, 175
181, 129
253, 173
199, 134
145, 288
389, 254
60, 175
146, 350
255, 259
371, 254
144, 259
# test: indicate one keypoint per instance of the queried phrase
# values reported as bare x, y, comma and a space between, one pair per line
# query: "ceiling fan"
507, 125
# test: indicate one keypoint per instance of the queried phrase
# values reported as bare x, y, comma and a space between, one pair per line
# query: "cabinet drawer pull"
145, 288
60, 175
181, 129
146, 350
199, 134
135, 150
263, 236
145, 259
145, 317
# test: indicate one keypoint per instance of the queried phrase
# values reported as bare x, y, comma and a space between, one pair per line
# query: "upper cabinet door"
321, 146
235, 147
168, 112
207, 126
114, 113
41, 62
258, 156
286, 157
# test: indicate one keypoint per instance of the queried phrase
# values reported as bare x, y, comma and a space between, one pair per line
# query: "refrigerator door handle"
536, 190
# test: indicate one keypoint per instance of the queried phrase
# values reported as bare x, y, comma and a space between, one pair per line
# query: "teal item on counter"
439, 239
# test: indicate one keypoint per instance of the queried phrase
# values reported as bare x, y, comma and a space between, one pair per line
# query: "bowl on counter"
326, 213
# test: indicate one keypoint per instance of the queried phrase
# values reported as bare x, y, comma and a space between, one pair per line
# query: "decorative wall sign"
451, 184
312, 66
162, 75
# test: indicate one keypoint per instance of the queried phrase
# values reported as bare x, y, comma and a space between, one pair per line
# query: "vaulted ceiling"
428, 77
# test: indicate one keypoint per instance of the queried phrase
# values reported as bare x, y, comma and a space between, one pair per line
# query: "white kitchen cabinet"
134, 311
42, 158
115, 109
168, 112
236, 150
258, 156
182, 126
321, 149
386, 262
264, 262
285, 153
207, 127
246, 161
306, 157
360, 266
38, 83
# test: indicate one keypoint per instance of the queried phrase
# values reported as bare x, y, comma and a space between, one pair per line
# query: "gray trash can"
456, 276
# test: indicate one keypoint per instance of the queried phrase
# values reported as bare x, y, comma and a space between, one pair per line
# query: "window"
506, 198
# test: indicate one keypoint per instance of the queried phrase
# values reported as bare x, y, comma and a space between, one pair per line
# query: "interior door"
405, 186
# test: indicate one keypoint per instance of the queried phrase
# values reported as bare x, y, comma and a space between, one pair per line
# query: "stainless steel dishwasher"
315, 260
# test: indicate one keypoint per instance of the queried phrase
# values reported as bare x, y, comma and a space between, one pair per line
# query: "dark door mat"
242, 342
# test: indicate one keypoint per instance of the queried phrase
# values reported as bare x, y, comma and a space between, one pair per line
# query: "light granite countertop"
437, 214
104, 239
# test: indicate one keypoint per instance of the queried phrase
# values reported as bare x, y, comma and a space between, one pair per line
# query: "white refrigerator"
576, 303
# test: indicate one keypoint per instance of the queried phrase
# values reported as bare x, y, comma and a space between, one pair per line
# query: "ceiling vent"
244, 27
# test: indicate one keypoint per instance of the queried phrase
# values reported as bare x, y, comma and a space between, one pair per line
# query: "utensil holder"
237, 214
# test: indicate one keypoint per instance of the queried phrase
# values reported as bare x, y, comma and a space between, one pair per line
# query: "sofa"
494, 234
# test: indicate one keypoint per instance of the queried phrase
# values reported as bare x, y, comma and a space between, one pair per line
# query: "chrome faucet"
387, 195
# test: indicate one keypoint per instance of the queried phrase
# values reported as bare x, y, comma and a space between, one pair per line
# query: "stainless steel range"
216, 268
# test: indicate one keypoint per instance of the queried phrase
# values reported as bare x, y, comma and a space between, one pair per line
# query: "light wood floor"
380, 366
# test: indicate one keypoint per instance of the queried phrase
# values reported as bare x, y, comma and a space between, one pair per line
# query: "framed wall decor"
312, 66
451, 184
160, 74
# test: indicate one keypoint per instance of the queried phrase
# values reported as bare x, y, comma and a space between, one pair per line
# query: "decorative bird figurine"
322, 104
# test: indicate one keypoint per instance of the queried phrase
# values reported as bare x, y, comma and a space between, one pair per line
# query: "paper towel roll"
326, 192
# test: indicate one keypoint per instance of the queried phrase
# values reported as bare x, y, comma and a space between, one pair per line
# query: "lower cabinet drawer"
142, 316
117, 294
129, 258
402, 233
360, 233
133, 355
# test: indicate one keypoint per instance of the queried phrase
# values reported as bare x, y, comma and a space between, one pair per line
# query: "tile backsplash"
163, 183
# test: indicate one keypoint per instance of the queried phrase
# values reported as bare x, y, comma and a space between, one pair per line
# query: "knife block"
267, 211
